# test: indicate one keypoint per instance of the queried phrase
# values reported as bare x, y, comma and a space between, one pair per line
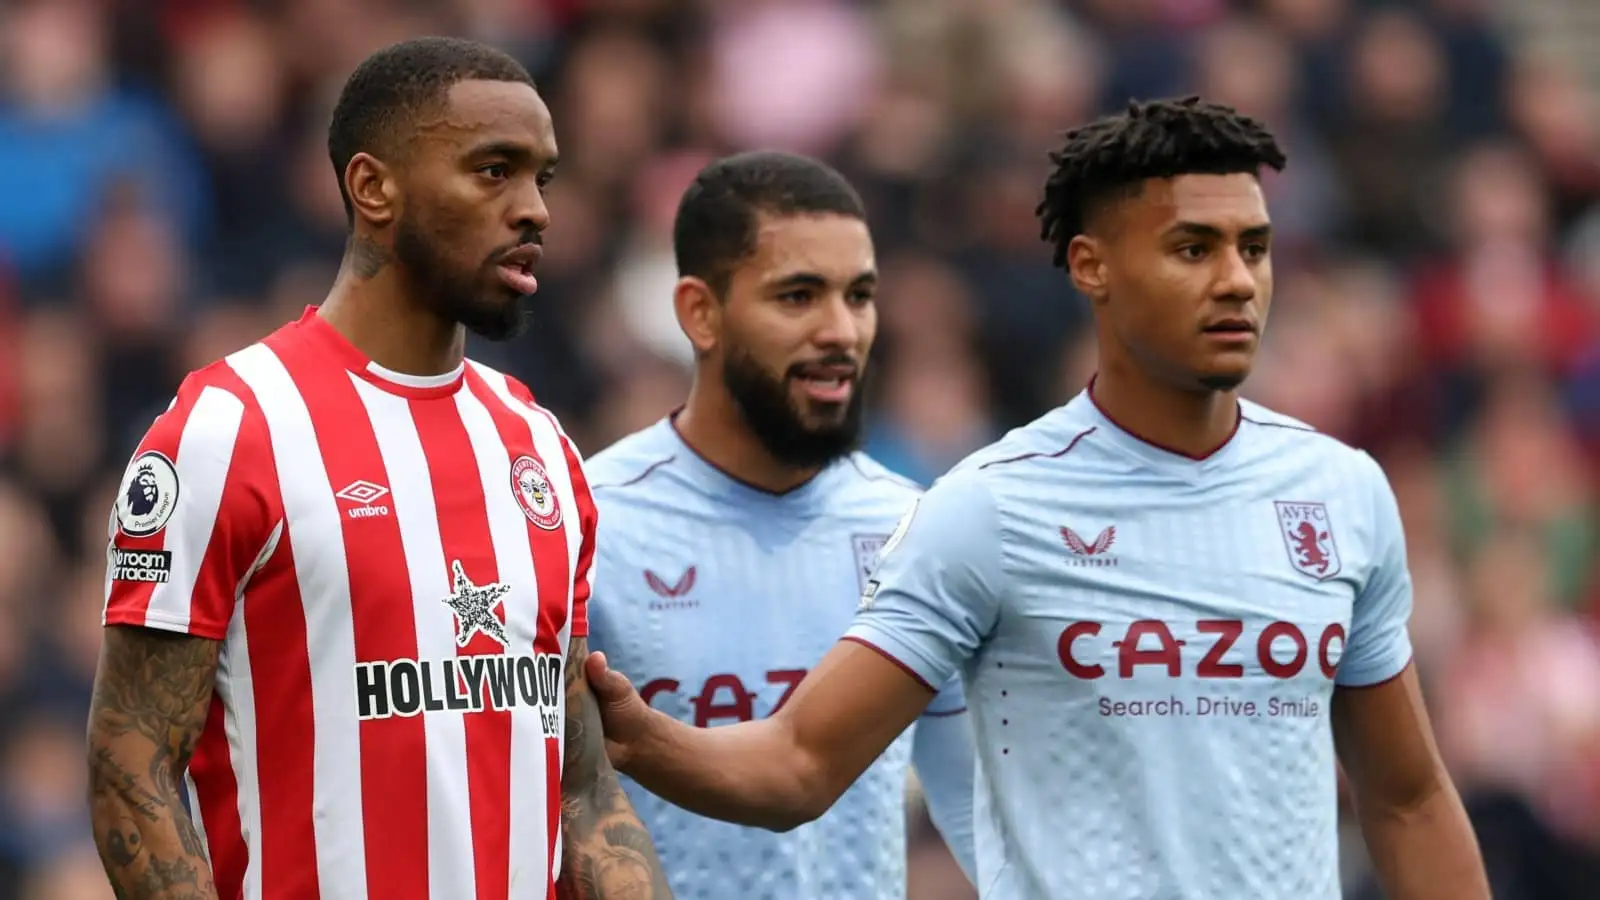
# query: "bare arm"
777, 772
151, 694
1414, 824
607, 854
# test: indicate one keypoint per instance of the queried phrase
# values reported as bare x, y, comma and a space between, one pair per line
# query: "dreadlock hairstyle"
1113, 157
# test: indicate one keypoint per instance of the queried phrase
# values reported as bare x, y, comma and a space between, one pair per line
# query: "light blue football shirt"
1149, 645
715, 598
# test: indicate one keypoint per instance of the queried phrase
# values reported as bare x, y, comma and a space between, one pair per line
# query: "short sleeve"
190, 523
589, 522
951, 699
935, 594
588, 516
1379, 645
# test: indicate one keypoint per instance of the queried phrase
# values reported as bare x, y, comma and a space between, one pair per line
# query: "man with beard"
350, 570
737, 533
1178, 614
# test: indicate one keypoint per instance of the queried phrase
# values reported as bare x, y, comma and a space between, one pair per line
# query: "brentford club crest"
1308, 536
534, 493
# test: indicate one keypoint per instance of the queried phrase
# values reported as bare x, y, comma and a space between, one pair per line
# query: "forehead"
478, 112
1225, 202
831, 245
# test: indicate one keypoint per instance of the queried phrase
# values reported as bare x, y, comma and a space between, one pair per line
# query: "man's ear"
699, 313
374, 193
1086, 264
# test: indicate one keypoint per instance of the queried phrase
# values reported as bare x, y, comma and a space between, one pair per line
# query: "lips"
1231, 326
827, 382
516, 268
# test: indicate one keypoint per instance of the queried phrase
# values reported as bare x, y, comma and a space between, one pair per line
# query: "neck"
713, 427
379, 317
1195, 423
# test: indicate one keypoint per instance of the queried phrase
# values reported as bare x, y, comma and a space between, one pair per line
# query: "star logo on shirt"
474, 607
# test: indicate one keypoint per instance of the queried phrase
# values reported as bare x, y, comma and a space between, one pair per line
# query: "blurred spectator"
166, 198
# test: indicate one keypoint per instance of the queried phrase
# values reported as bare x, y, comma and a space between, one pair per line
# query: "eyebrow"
511, 150
814, 280
1198, 229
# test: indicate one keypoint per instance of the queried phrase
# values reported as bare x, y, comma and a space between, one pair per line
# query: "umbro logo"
364, 494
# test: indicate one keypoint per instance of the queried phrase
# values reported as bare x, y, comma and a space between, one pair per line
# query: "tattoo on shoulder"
608, 853
151, 696
367, 257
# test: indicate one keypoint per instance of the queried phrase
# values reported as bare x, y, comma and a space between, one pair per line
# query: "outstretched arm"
1415, 827
606, 852
151, 694
932, 601
778, 772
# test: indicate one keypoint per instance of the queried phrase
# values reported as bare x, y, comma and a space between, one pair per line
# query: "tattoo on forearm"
367, 258
150, 701
608, 854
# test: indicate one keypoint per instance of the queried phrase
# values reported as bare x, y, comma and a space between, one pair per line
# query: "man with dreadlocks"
1169, 606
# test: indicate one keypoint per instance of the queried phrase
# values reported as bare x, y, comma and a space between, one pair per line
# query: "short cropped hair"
384, 95
715, 228
1113, 157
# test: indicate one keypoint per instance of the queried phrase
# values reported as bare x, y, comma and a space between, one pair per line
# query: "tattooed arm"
151, 694
607, 854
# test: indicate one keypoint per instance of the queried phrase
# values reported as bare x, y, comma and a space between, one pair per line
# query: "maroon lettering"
724, 695
651, 689
738, 706
1227, 632
1264, 650
1064, 649
1151, 642
789, 677
1130, 655
1329, 667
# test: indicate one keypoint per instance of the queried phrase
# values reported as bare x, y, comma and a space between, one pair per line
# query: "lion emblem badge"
1308, 536
149, 495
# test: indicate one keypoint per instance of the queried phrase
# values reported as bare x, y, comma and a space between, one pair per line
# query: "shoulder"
876, 483
517, 397
213, 411
629, 465
1286, 438
511, 392
1055, 440
210, 445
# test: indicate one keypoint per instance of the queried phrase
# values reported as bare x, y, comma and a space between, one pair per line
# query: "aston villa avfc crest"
868, 547
1308, 536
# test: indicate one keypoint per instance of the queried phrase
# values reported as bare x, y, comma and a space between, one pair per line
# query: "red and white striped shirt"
395, 566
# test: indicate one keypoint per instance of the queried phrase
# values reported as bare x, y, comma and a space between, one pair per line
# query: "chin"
1223, 379
497, 321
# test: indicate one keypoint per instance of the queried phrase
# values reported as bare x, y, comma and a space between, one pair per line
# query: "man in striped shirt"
348, 571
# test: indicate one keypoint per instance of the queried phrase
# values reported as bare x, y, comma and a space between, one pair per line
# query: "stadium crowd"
166, 198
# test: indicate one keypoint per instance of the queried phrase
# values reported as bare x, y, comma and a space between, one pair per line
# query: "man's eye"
496, 170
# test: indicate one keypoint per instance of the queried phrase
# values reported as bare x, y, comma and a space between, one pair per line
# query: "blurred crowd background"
166, 198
